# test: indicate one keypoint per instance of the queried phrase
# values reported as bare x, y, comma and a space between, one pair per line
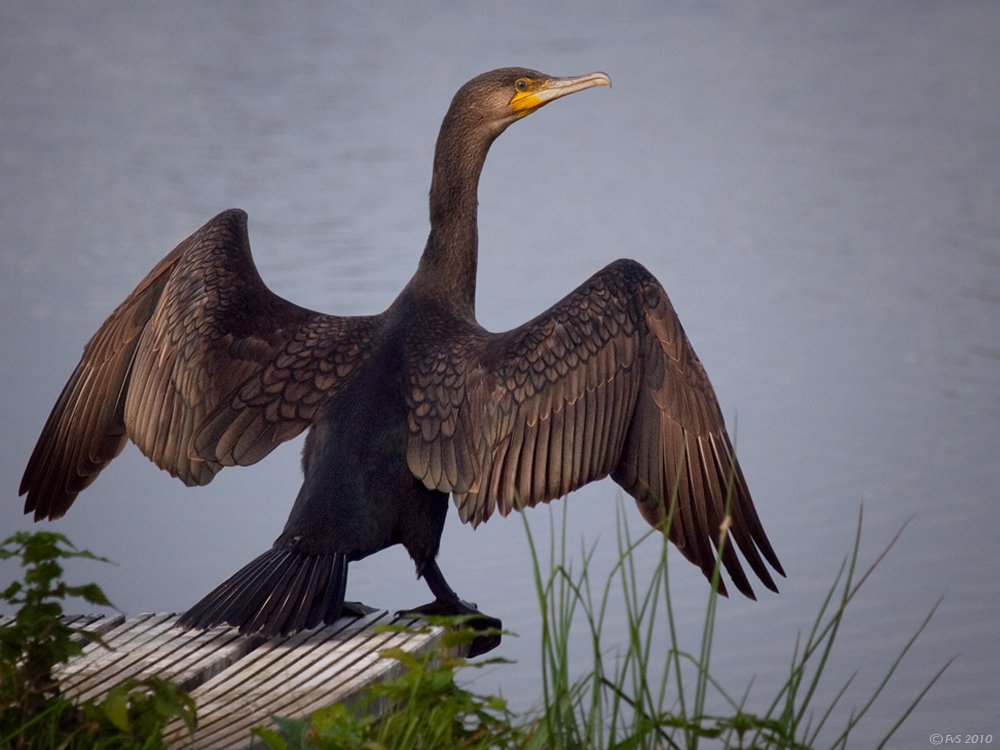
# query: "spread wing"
202, 366
603, 383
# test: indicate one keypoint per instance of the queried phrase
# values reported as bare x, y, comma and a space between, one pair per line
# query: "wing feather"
202, 366
604, 382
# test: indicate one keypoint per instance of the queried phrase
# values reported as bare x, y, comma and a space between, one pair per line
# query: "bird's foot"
440, 608
476, 621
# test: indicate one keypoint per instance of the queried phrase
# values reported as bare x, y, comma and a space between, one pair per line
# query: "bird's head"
498, 98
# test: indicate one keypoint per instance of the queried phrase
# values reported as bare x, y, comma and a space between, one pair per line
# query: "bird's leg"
447, 603
446, 600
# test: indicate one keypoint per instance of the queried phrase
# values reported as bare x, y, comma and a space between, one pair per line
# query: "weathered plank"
237, 681
294, 677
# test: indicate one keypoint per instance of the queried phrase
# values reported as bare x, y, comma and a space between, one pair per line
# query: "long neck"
447, 270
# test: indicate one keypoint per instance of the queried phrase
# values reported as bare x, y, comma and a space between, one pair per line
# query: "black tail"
281, 592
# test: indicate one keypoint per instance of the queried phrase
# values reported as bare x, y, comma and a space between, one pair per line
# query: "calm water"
817, 186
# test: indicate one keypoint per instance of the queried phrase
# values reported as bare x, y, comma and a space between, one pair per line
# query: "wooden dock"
237, 681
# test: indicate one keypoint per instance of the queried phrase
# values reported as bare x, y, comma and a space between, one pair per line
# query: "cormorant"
202, 367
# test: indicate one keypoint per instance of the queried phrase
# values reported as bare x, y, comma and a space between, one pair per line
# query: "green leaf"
295, 730
90, 592
115, 707
325, 719
271, 738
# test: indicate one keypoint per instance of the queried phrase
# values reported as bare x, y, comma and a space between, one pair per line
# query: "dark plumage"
203, 367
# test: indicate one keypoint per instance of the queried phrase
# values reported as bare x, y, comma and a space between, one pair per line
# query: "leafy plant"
134, 714
37, 639
34, 713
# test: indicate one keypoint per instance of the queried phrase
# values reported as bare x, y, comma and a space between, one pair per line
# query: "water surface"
815, 185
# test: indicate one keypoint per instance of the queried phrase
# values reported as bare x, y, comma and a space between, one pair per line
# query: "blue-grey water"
817, 185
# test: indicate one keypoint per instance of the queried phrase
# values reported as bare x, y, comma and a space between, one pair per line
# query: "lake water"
817, 186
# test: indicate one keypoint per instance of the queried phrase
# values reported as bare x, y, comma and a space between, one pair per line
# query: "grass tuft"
633, 701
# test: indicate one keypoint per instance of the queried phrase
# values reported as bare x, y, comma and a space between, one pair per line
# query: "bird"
203, 367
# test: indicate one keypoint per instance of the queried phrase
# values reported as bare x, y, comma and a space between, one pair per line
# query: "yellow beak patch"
532, 94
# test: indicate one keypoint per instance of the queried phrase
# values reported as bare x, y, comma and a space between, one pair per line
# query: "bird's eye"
522, 84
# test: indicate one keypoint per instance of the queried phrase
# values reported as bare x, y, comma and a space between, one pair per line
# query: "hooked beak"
550, 89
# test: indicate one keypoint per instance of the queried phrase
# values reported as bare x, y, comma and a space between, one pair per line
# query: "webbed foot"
477, 621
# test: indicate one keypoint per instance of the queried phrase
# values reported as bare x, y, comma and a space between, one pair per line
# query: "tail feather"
326, 591
225, 604
279, 593
237, 599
